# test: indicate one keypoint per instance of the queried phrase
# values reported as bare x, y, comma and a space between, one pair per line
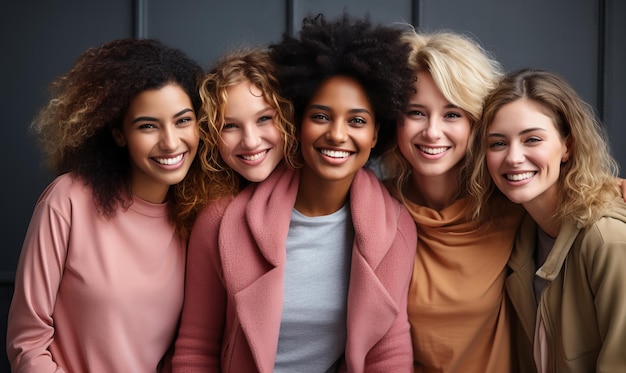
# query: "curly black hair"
74, 128
374, 55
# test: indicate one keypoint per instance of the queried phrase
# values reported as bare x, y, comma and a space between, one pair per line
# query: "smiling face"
433, 133
252, 144
338, 130
524, 154
160, 131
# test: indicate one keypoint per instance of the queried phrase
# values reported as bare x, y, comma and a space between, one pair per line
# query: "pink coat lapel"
253, 258
371, 309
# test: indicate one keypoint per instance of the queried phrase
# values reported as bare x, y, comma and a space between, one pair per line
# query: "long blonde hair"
463, 71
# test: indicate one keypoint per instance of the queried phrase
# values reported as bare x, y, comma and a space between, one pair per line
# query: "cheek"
493, 162
194, 138
404, 140
226, 145
274, 136
307, 134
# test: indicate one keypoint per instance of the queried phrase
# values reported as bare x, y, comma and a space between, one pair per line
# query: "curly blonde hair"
462, 70
587, 180
245, 64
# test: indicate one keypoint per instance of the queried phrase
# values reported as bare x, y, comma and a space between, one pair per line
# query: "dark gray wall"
584, 40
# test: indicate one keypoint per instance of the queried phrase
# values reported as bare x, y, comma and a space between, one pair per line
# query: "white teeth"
335, 153
170, 161
254, 157
518, 177
433, 150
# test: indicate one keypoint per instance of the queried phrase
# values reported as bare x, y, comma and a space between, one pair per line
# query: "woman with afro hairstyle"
308, 270
99, 284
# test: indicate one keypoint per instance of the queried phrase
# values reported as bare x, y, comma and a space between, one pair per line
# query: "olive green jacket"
583, 306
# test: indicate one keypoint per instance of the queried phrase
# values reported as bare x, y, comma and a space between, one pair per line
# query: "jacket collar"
554, 262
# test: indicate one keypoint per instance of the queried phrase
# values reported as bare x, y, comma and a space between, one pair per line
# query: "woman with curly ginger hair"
540, 145
99, 285
240, 80
308, 270
246, 128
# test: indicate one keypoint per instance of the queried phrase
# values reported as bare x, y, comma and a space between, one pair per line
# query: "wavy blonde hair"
463, 71
587, 180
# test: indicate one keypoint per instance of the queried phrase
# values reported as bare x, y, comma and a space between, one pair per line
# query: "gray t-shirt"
317, 275
544, 246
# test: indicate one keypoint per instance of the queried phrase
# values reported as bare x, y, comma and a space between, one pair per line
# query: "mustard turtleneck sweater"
456, 306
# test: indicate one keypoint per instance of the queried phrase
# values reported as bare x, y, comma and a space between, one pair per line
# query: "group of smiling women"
356, 198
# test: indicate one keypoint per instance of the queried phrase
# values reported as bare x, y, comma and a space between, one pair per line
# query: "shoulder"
367, 184
611, 225
377, 211
213, 212
67, 192
606, 237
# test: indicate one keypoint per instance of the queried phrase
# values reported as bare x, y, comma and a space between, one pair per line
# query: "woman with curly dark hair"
99, 285
309, 270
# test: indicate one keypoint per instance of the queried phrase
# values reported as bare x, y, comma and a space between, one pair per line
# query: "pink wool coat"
235, 273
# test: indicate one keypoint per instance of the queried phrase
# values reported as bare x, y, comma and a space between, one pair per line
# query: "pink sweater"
94, 295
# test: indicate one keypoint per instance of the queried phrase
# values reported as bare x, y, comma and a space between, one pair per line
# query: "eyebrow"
152, 119
448, 106
265, 110
495, 134
326, 108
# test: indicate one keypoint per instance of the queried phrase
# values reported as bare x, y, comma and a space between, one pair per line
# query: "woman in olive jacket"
542, 147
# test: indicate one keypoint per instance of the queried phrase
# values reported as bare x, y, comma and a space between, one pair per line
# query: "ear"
566, 150
119, 138
375, 139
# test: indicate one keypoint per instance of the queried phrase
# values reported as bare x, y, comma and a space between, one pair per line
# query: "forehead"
522, 114
341, 91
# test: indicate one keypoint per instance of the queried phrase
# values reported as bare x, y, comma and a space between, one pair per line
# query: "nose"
514, 154
251, 137
169, 138
433, 129
337, 133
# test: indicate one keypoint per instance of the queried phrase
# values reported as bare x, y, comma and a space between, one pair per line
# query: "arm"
607, 278
31, 327
199, 343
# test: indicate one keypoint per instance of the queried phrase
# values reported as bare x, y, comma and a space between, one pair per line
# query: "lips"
335, 153
433, 150
253, 157
520, 176
168, 161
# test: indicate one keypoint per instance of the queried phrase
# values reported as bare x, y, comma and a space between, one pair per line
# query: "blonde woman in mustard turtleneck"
456, 304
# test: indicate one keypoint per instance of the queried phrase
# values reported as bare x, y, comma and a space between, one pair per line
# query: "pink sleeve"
199, 343
30, 324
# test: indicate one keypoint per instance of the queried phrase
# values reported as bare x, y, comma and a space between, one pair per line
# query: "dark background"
584, 40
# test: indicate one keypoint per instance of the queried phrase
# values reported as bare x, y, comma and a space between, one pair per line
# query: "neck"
318, 197
542, 209
434, 192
